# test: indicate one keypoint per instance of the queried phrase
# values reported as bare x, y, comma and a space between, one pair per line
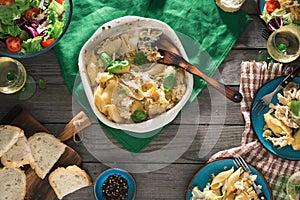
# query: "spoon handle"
229, 92
171, 58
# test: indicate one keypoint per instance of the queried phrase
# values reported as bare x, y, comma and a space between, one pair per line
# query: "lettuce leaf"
32, 45
7, 30
55, 28
8, 15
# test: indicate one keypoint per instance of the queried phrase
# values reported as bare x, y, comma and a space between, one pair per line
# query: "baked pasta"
129, 85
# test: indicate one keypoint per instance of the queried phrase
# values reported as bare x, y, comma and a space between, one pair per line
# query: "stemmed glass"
283, 44
14, 79
293, 186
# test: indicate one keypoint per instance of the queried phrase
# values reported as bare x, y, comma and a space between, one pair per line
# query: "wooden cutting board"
36, 188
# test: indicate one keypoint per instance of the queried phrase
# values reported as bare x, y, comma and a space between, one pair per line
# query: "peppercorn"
115, 187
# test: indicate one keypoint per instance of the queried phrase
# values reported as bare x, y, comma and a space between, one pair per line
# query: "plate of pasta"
277, 128
221, 179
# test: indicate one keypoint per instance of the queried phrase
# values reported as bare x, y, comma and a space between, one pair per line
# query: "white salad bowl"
118, 26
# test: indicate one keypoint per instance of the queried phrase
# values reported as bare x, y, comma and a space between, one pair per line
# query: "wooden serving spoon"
170, 58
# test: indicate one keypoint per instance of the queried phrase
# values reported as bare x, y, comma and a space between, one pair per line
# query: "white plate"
121, 25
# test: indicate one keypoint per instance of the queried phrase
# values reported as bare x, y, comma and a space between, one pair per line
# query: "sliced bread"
12, 184
67, 180
230, 5
46, 149
18, 155
8, 137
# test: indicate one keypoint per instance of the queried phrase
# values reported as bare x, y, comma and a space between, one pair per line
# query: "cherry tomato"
5, 2
48, 42
271, 5
31, 13
58, 1
13, 44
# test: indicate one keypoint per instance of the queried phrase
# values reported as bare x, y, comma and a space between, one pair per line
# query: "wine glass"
293, 186
14, 79
284, 44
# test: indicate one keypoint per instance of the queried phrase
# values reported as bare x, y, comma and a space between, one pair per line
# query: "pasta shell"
296, 142
156, 69
234, 177
220, 179
113, 113
92, 71
113, 46
97, 99
136, 105
277, 127
103, 78
102, 97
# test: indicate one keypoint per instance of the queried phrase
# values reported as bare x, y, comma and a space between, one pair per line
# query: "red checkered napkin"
276, 170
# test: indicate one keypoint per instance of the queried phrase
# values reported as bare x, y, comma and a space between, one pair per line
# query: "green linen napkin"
212, 32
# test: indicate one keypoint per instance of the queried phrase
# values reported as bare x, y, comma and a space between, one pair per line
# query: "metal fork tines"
261, 104
264, 102
240, 162
266, 33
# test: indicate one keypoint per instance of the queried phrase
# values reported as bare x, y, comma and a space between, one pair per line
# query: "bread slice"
230, 5
67, 180
12, 184
18, 155
46, 149
8, 137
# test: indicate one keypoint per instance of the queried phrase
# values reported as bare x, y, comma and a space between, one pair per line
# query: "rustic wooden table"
54, 107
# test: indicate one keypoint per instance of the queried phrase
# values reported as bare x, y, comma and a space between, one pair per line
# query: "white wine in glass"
12, 75
284, 44
293, 186
14, 79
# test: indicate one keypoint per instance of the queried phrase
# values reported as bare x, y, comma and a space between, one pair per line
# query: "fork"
262, 103
240, 162
266, 33
273, 25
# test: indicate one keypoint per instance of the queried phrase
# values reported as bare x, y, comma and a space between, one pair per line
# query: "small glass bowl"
67, 15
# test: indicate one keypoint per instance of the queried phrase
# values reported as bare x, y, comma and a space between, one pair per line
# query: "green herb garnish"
42, 84
138, 116
295, 108
140, 58
106, 59
169, 82
118, 66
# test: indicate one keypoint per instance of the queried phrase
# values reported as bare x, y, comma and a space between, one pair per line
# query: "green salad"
29, 26
287, 10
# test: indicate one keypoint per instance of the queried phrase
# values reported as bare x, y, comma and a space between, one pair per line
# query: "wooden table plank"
229, 133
